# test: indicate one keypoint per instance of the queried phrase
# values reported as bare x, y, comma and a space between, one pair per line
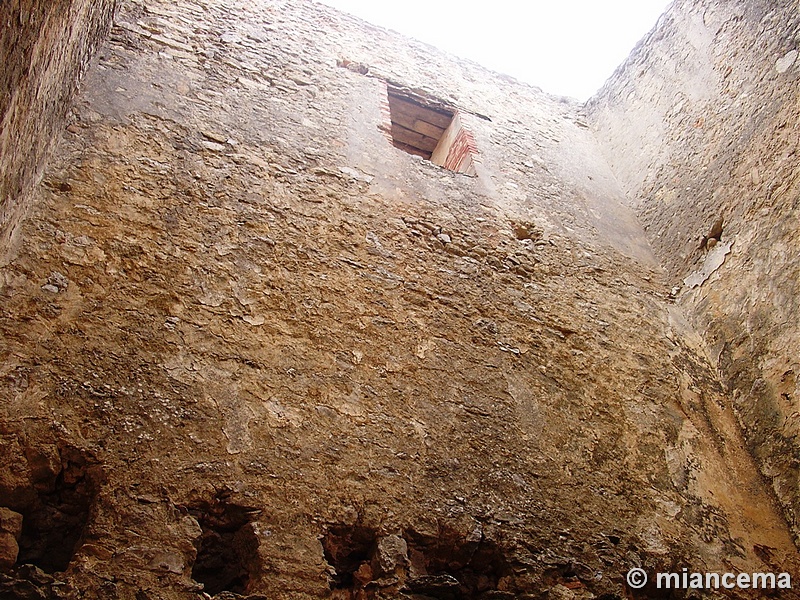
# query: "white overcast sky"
566, 47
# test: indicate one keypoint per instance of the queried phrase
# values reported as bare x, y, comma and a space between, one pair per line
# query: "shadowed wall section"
44, 48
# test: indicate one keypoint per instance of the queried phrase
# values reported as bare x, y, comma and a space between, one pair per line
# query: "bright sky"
566, 47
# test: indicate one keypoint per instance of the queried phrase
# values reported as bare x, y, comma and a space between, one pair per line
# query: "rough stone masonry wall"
702, 122
251, 347
44, 47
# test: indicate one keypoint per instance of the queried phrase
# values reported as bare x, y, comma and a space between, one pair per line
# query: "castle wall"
44, 48
700, 123
251, 346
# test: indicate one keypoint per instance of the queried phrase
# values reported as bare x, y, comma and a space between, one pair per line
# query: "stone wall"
251, 347
44, 48
701, 123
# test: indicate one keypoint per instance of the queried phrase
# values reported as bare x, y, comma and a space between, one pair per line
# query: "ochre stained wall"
701, 123
249, 346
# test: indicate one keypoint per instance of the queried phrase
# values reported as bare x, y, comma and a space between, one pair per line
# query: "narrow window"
430, 129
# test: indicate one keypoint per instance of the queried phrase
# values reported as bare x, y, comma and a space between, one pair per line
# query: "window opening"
428, 128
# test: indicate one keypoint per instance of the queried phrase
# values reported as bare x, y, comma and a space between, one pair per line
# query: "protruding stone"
10, 532
392, 552
166, 561
785, 62
44, 463
364, 574
58, 280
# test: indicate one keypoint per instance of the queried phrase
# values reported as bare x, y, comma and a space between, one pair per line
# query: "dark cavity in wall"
55, 522
454, 566
450, 566
346, 549
227, 550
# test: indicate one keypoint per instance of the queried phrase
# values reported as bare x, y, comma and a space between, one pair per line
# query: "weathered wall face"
701, 123
251, 346
44, 48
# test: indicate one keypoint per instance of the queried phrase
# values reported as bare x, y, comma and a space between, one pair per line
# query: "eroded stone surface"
696, 127
296, 350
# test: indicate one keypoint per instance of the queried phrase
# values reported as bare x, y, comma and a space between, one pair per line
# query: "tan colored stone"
281, 326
